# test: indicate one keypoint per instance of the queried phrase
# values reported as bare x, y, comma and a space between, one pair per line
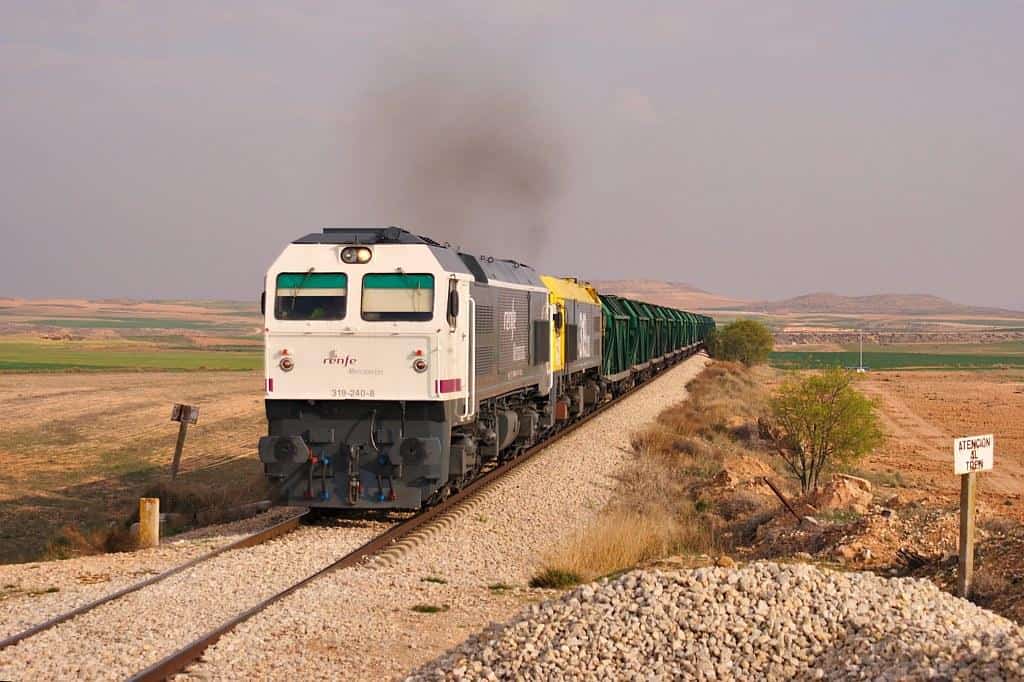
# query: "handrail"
470, 407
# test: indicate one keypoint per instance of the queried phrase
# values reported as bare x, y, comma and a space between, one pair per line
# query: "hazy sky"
758, 149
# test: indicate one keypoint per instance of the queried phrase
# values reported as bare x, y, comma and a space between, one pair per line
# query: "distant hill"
673, 294
878, 304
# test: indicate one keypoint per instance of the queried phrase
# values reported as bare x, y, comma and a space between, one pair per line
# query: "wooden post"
182, 432
184, 415
149, 522
968, 490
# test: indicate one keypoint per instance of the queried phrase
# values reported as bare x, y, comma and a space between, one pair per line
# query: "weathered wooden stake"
182, 432
149, 522
965, 576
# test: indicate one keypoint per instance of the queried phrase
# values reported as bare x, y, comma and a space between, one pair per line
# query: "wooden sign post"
149, 522
184, 415
970, 455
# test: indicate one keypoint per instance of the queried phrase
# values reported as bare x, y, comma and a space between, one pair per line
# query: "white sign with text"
973, 453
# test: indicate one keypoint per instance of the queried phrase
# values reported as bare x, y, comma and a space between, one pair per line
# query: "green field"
132, 323
897, 359
29, 356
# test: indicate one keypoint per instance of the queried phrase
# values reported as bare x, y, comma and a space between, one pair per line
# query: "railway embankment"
466, 571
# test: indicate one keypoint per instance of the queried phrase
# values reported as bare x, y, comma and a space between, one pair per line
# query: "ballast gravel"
31, 593
762, 621
127, 635
381, 620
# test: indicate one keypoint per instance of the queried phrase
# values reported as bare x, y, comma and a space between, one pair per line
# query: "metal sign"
973, 453
186, 414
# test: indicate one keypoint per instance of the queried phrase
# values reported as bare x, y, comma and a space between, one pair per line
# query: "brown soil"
78, 448
923, 411
911, 527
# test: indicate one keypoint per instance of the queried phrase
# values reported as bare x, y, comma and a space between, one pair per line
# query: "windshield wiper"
296, 288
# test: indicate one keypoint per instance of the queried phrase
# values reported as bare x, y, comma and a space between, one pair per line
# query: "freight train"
398, 369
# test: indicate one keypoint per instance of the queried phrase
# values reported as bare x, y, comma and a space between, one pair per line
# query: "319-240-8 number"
353, 393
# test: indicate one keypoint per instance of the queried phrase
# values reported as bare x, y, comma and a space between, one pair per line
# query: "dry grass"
555, 579
657, 512
202, 503
189, 503
987, 586
80, 449
617, 541
72, 541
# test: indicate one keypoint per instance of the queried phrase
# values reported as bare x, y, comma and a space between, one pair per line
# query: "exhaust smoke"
458, 146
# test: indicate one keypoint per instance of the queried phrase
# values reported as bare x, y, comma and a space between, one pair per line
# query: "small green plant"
838, 516
702, 505
499, 588
555, 578
430, 608
434, 579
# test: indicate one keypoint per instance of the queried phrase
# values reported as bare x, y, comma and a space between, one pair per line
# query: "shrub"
825, 422
72, 541
746, 341
555, 578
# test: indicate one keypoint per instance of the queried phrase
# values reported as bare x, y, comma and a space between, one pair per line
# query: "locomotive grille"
484, 360
513, 329
485, 319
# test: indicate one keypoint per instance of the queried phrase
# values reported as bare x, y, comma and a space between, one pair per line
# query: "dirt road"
923, 411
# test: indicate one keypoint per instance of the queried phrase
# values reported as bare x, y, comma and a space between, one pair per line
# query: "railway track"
179, 660
258, 538
182, 658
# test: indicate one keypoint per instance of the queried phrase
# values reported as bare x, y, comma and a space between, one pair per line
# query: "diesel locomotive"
399, 368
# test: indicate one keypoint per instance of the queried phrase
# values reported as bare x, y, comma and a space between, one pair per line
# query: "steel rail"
178, 661
252, 540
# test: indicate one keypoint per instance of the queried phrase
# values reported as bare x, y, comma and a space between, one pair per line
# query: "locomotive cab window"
310, 296
398, 296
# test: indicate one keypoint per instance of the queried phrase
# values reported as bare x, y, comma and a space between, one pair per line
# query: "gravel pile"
762, 621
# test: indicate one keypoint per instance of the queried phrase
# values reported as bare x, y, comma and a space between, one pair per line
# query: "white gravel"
763, 621
127, 635
31, 593
359, 623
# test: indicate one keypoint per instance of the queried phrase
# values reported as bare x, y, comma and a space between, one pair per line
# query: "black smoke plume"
457, 145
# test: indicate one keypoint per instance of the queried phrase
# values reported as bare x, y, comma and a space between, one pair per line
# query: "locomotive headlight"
286, 364
356, 254
419, 364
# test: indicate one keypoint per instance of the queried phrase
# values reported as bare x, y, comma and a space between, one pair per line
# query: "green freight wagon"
621, 338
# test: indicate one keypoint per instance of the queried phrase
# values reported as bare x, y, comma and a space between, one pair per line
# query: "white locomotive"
398, 368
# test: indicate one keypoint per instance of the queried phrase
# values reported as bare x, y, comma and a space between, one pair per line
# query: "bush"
73, 541
824, 422
746, 341
554, 578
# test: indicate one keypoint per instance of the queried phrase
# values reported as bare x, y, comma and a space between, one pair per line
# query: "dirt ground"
909, 524
77, 448
923, 411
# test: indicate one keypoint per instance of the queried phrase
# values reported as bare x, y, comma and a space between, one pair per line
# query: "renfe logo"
334, 359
